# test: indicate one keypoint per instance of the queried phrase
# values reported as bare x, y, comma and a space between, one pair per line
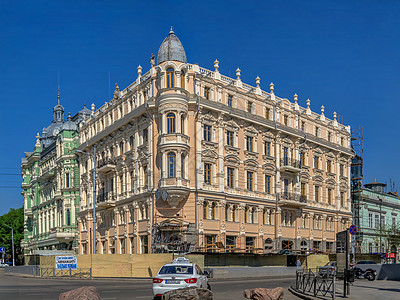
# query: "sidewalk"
364, 290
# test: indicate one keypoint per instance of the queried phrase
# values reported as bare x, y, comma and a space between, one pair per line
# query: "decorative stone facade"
189, 159
50, 186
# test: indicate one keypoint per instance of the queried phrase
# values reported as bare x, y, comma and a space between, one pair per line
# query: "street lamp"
94, 194
12, 242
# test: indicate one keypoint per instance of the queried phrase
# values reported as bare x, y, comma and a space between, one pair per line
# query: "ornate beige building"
192, 160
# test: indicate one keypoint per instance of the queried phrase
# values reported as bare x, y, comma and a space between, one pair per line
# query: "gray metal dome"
171, 49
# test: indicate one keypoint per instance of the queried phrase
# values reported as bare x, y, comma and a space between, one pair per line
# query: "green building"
377, 215
50, 186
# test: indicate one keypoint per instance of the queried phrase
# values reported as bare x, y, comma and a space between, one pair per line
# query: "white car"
181, 273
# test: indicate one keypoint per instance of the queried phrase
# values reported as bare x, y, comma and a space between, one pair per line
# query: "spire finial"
171, 31
58, 86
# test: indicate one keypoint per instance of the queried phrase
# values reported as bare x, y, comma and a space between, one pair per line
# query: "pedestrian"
298, 263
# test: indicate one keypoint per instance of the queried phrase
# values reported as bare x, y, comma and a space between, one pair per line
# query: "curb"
301, 295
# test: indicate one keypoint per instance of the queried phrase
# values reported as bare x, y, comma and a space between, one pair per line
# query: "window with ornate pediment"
207, 132
170, 78
171, 165
171, 123
229, 138
316, 193
250, 181
268, 184
267, 148
230, 177
207, 173
249, 143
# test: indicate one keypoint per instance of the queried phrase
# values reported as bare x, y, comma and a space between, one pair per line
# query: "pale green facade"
50, 187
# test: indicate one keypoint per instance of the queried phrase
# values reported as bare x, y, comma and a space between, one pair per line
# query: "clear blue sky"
340, 54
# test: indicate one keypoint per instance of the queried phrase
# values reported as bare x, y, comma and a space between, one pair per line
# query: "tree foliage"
15, 219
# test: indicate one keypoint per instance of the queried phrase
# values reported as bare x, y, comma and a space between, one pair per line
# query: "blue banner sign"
2, 250
66, 262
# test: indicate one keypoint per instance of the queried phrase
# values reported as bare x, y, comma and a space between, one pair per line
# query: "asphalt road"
23, 288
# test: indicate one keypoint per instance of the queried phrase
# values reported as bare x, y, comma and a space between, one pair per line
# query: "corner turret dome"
171, 49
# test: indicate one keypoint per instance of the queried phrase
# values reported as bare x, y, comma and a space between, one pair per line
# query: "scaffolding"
357, 144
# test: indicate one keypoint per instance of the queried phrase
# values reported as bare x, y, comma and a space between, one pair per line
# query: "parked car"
328, 269
3, 265
181, 273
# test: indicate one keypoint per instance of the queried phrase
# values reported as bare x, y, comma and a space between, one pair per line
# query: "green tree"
15, 219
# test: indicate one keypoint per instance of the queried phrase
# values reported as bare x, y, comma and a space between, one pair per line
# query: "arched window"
182, 79
171, 165
170, 78
171, 123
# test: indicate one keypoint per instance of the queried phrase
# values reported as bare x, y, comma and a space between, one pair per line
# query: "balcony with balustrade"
295, 200
290, 165
105, 165
106, 199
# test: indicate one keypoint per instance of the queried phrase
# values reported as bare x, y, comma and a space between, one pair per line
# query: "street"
19, 288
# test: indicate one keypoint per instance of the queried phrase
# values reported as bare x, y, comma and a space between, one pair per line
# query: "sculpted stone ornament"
261, 231
242, 229
201, 226
223, 227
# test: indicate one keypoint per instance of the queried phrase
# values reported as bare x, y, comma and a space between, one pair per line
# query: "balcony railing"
106, 161
292, 199
107, 196
290, 162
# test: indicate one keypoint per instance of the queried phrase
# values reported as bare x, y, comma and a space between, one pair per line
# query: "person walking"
298, 263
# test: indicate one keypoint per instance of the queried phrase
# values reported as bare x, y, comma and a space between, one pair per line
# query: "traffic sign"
2, 250
353, 229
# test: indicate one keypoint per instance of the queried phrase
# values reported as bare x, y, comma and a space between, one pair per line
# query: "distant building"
190, 159
379, 215
50, 186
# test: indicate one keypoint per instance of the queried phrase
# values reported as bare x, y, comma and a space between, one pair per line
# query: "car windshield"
176, 270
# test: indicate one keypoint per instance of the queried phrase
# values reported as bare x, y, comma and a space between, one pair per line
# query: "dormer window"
170, 78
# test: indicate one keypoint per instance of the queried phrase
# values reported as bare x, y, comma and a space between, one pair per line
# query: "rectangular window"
207, 93
316, 162
249, 107
341, 170
303, 126
329, 196
329, 137
267, 115
231, 177
376, 221
302, 159
230, 100
383, 222
249, 143
303, 189
250, 244
316, 193
207, 133
268, 184
207, 173
229, 138
183, 175
342, 199
249, 183
329, 166
145, 136
286, 120
67, 180
316, 131
370, 225
267, 148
